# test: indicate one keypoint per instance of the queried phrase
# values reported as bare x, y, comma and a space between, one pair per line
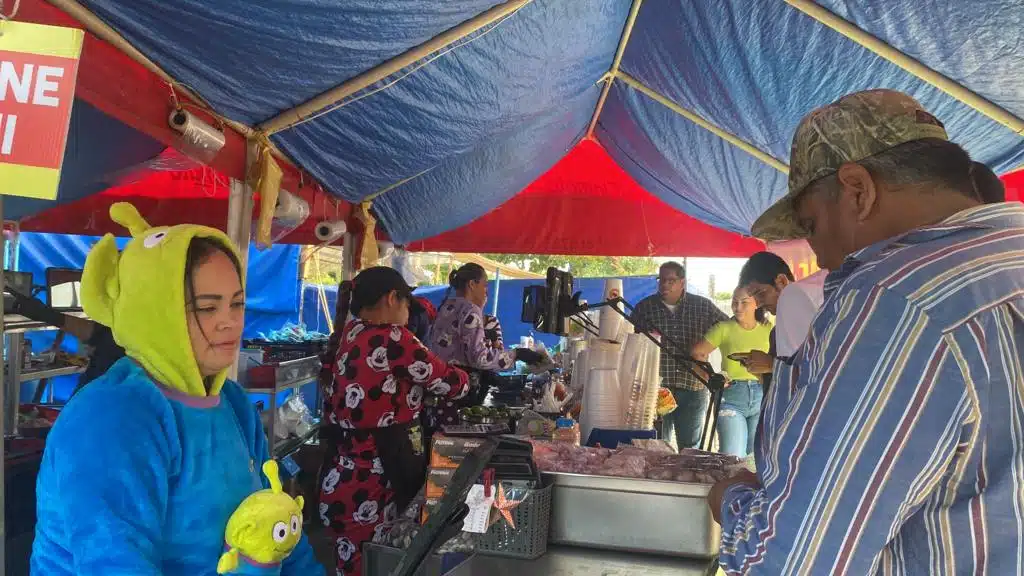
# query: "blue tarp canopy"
451, 135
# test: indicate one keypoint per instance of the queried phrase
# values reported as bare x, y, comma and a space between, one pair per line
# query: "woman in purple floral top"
459, 335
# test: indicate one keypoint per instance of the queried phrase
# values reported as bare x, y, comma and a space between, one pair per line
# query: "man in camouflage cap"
887, 439
850, 146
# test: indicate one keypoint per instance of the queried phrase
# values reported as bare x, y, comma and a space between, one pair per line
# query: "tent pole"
105, 32
239, 224
921, 71
730, 138
348, 269
288, 118
497, 290
609, 78
3, 415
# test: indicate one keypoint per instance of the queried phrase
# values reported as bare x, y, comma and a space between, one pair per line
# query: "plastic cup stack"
651, 383
601, 406
611, 321
629, 365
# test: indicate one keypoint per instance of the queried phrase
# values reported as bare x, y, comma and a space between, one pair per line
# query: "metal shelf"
51, 373
17, 324
283, 387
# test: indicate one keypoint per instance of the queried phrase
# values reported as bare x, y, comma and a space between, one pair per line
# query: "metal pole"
705, 124
385, 69
239, 227
348, 255
3, 415
923, 72
497, 289
610, 76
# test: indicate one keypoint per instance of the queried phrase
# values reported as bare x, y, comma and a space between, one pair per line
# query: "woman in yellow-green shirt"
740, 411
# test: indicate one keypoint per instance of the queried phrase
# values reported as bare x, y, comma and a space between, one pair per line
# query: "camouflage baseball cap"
850, 129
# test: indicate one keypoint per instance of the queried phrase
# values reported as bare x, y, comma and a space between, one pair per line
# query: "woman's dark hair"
459, 278
764, 268
988, 187
366, 290
199, 251
341, 308
761, 316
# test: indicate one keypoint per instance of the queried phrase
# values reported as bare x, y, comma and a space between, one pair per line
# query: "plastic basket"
529, 539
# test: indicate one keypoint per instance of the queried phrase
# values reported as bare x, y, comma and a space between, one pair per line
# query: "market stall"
433, 124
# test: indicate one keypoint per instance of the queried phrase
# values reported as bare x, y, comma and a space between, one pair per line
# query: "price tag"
479, 510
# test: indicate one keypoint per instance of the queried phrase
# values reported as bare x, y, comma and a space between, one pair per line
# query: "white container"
611, 321
601, 405
604, 354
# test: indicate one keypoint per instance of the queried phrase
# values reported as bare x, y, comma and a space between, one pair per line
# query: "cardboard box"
429, 506
438, 480
449, 452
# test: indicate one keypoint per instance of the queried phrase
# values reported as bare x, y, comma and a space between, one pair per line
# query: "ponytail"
341, 309
761, 315
460, 277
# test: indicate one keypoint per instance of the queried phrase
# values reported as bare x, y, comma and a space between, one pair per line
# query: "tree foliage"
582, 266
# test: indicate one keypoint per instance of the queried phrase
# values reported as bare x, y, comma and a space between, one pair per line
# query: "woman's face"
743, 305
476, 291
216, 315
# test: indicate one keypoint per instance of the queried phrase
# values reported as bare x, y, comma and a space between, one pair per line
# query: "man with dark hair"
684, 318
892, 442
764, 276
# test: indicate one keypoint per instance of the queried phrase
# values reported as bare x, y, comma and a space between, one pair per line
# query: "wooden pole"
610, 76
921, 71
692, 117
349, 87
105, 32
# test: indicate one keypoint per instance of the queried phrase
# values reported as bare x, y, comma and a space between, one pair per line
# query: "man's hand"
718, 491
757, 362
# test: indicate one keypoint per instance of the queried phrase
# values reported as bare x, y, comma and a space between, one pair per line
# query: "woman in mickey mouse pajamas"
375, 462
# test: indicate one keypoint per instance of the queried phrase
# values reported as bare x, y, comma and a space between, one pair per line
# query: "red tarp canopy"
585, 204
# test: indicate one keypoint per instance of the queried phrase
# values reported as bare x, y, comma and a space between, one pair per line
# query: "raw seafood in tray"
631, 462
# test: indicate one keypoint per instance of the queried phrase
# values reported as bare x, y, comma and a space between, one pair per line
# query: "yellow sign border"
29, 181
29, 38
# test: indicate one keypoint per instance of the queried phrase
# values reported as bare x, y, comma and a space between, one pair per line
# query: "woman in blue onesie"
146, 464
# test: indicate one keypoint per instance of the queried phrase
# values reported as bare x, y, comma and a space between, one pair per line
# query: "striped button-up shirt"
894, 441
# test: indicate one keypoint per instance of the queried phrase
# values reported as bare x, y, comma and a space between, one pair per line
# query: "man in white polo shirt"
797, 306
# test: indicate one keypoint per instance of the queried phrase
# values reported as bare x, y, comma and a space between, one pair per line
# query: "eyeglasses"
669, 280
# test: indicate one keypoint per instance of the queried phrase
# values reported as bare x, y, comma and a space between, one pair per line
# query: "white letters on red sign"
7, 133
45, 89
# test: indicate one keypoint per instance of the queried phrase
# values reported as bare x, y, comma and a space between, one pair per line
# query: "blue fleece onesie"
145, 465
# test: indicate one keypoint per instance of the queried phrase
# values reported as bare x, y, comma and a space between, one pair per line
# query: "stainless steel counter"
633, 515
570, 561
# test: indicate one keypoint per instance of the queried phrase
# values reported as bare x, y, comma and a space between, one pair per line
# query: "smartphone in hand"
741, 357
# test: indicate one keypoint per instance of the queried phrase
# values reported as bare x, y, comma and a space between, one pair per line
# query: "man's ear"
856, 182
781, 281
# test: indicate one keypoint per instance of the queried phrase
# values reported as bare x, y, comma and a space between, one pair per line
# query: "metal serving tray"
650, 516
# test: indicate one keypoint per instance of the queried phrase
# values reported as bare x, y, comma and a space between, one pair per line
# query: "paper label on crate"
479, 510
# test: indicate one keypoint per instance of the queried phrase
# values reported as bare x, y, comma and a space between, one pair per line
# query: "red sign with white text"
38, 66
